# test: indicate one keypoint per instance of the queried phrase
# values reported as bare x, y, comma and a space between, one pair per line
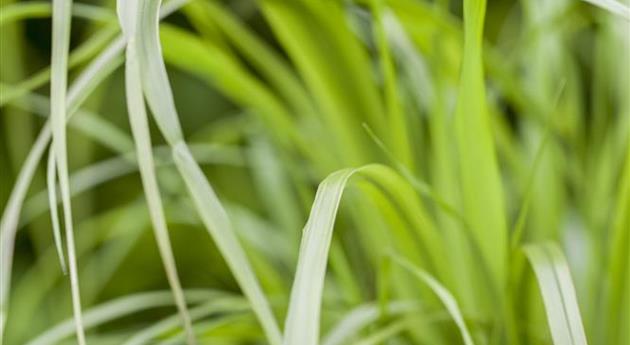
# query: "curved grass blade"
58, 112
36, 9
121, 307
141, 135
215, 219
90, 124
109, 169
302, 322
214, 65
80, 55
227, 304
443, 294
52, 205
385, 333
556, 287
363, 316
158, 93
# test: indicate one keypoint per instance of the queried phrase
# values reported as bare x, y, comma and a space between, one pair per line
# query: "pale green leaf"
58, 113
556, 288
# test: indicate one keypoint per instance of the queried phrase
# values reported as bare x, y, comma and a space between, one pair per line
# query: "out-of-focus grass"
474, 134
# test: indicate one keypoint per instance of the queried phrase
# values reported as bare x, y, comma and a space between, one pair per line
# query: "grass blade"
107, 170
302, 322
52, 205
229, 304
443, 294
144, 153
37, 9
363, 316
121, 307
140, 130
619, 265
385, 333
556, 287
215, 219
157, 90
58, 112
482, 192
397, 121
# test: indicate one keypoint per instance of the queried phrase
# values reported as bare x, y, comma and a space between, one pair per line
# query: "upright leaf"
58, 112
482, 192
556, 287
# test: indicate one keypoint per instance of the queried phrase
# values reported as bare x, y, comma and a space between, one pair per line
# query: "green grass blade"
556, 287
482, 191
302, 322
107, 170
385, 333
443, 294
157, 90
227, 304
90, 124
58, 112
51, 177
265, 59
37, 9
317, 37
363, 316
215, 219
121, 307
80, 55
619, 265
209, 62
11, 216
144, 153
397, 121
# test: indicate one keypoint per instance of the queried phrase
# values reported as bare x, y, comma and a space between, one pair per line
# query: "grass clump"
482, 152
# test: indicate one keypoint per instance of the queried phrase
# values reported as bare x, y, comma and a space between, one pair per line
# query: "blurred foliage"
279, 94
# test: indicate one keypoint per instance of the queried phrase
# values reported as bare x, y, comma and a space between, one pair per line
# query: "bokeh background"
557, 84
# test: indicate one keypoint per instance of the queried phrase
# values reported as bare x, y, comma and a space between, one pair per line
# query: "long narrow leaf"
363, 316
52, 205
121, 307
141, 134
58, 112
157, 90
556, 287
227, 304
482, 192
444, 295
302, 322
